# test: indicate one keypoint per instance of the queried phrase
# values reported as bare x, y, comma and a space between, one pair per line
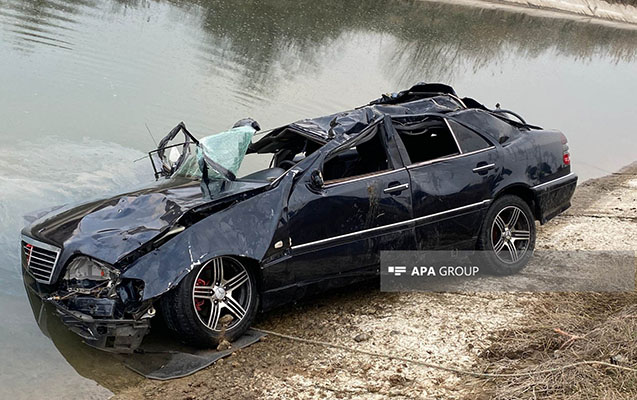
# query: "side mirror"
316, 179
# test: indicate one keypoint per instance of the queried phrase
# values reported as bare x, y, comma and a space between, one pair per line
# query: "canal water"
83, 81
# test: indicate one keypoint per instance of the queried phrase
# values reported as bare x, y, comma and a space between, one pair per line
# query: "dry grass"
600, 327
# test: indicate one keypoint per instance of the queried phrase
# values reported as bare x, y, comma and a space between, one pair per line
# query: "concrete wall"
590, 8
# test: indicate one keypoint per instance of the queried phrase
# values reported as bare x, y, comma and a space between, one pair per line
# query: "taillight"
566, 158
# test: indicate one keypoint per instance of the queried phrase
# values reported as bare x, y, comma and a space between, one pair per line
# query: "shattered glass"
227, 149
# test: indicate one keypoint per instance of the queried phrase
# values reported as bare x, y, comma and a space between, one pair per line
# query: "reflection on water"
268, 40
80, 79
104, 368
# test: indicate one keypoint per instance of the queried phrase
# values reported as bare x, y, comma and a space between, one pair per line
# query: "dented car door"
452, 184
340, 227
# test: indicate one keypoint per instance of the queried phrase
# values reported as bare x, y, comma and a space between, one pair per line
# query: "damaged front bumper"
104, 333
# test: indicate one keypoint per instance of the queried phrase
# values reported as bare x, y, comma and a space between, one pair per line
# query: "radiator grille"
40, 259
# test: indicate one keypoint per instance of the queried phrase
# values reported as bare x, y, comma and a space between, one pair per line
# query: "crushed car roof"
419, 99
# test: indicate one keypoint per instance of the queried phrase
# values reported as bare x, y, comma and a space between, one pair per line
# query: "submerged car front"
76, 257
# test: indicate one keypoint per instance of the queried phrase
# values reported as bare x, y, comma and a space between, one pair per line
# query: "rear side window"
426, 140
467, 139
501, 131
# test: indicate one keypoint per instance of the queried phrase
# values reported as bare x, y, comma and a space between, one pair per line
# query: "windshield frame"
189, 138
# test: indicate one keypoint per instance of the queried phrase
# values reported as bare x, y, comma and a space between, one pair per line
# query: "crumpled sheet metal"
419, 99
243, 229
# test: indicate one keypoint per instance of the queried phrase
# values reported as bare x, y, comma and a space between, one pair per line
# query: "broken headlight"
86, 273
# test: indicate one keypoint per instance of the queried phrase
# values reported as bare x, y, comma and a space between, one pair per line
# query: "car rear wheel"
507, 238
216, 301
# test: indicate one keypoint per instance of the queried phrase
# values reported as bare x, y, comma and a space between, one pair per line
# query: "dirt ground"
458, 330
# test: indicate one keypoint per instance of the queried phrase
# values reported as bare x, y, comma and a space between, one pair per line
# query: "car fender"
246, 229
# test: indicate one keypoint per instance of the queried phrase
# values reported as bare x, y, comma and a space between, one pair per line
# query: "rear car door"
453, 171
364, 206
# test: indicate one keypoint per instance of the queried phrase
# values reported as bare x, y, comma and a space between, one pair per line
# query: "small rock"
223, 345
361, 337
373, 388
394, 332
397, 379
226, 320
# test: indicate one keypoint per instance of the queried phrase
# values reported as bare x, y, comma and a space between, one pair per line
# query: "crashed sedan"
207, 247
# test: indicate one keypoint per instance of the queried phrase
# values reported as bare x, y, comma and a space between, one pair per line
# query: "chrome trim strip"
355, 179
39, 256
420, 164
395, 224
552, 181
39, 270
458, 99
34, 262
483, 167
453, 135
43, 245
294, 171
452, 210
397, 188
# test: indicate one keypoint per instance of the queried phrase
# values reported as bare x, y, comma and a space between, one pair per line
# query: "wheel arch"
255, 267
249, 262
525, 193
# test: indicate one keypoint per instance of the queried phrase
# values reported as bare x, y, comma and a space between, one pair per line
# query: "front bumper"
114, 335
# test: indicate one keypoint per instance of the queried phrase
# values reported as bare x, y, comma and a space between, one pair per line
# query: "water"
80, 79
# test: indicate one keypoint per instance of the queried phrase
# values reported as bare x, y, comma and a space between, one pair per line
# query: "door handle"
483, 168
397, 188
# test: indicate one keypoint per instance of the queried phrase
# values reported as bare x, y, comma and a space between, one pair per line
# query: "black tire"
515, 258
184, 314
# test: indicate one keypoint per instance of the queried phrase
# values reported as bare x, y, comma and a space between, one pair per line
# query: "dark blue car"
206, 250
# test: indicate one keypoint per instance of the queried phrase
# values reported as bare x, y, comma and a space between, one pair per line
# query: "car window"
500, 130
468, 139
366, 157
427, 139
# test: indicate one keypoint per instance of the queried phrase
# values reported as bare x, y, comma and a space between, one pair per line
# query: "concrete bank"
594, 11
589, 8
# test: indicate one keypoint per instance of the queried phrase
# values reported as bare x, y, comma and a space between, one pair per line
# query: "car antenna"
154, 141
151, 134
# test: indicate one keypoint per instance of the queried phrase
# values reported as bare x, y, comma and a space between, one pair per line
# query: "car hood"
111, 228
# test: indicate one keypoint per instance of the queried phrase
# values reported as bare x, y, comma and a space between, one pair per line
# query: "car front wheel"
507, 237
216, 301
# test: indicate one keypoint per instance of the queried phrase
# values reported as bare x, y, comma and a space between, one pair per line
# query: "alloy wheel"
222, 293
510, 234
